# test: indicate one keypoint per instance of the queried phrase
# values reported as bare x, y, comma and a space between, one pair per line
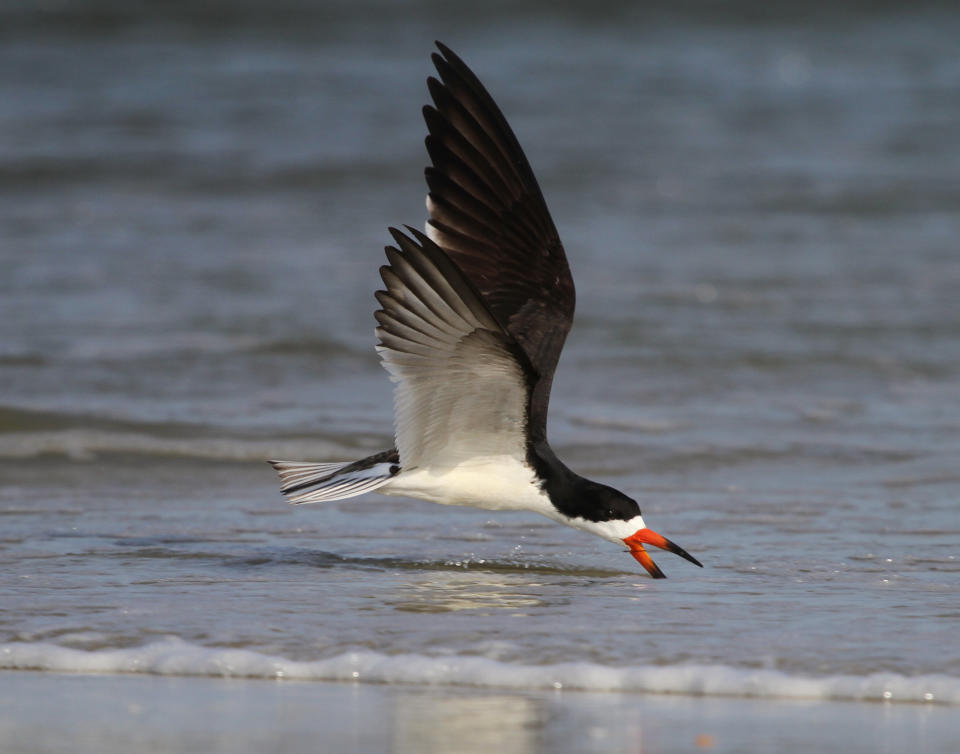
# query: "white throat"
613, 531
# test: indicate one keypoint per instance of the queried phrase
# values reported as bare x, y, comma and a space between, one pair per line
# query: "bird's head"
620, 521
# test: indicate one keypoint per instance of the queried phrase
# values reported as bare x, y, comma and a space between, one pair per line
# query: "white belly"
494, 483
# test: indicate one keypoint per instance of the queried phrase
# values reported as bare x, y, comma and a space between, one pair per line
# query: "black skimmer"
473, 319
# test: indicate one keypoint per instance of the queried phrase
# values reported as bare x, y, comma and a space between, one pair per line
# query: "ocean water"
762, 214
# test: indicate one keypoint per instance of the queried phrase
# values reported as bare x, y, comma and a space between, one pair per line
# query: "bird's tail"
304, 482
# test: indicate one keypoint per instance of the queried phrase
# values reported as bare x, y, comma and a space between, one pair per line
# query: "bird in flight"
471, 324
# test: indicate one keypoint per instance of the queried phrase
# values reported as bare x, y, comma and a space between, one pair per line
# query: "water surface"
761, 217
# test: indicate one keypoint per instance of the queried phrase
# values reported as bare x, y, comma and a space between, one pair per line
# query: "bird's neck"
568, 491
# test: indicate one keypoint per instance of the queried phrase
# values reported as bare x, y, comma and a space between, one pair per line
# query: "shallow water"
148, 714
762, 221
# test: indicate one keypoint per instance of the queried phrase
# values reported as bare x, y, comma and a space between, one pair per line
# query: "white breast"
489, 482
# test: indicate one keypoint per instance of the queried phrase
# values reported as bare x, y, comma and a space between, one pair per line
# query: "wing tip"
420, 242
447, 56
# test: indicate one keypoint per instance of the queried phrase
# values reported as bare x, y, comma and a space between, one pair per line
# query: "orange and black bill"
645, 536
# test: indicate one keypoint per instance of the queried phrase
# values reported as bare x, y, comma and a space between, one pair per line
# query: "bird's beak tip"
636, 541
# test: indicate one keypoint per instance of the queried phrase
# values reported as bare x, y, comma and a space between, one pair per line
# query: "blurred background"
193, 198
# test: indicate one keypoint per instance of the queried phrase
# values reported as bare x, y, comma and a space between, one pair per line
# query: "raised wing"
488, 214
462, 384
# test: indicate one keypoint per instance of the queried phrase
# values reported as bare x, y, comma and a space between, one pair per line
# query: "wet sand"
49, 712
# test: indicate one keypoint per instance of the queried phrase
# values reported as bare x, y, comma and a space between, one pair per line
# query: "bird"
472, 319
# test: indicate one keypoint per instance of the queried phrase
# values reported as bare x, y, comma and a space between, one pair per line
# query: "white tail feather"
319, 482
293, 473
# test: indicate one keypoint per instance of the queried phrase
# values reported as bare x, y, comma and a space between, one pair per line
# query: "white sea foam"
179, 658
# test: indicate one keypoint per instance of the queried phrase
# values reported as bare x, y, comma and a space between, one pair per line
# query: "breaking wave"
175, 657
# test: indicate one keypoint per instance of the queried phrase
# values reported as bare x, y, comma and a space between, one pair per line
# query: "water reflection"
467, 723
442, 592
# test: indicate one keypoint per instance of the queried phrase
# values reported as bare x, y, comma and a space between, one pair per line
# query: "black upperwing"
488, 214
